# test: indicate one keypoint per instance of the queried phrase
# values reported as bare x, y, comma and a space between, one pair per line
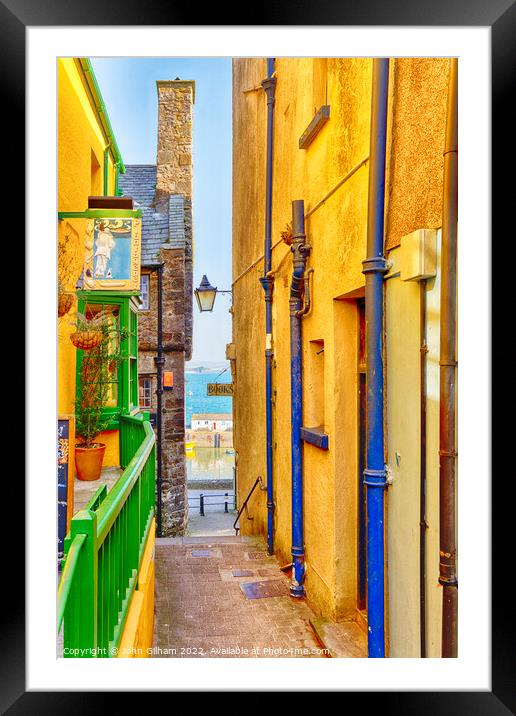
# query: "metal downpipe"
267, 281
374, 267
300, 250
160, 361
447, 372
423, 526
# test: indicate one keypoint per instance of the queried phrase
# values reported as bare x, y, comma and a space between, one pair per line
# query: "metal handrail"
104, 548
112, 505
257, 481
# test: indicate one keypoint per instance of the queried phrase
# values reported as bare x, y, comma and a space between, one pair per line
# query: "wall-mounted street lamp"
205, 295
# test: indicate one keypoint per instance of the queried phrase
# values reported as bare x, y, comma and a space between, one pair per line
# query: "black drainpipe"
159, 360
267, 281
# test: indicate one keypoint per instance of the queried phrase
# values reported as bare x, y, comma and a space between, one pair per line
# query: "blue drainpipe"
374, 266
267, 281
300, 249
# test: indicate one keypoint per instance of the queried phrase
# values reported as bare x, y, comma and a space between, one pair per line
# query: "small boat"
230, 452
189, 446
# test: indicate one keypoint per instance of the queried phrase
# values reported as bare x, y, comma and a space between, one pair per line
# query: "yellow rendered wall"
79, 134
419, 90
336, 232
137, 636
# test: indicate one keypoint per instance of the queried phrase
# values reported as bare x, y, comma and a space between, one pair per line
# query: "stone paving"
201, 610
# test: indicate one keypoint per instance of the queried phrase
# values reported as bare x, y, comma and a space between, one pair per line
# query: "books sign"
225, 389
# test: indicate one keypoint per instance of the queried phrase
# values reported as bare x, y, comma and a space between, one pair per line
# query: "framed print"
317, 523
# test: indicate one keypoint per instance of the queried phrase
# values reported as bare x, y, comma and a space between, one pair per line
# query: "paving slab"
202, 612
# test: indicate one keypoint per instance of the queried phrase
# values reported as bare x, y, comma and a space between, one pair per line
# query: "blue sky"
128, 86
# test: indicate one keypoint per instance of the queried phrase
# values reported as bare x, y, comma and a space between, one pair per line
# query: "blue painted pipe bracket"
375, 478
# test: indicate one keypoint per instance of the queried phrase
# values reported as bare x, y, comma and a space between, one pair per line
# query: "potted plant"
92, 397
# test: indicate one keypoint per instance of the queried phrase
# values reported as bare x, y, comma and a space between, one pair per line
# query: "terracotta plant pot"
88, 461
85, 340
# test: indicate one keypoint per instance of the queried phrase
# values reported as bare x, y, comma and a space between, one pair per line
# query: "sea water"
205, 463
196, 395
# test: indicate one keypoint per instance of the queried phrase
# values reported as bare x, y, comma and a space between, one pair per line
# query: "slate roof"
139, 182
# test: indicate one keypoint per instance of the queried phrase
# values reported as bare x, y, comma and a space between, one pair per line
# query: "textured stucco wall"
79, 135
416, 163
337, 233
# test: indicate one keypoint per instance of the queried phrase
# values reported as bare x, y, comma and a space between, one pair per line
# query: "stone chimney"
173, 200
174, 156
173, 194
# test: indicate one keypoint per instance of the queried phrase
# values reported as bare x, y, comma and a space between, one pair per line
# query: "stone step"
342, 639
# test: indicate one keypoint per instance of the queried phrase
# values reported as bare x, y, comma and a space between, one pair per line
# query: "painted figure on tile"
104, 245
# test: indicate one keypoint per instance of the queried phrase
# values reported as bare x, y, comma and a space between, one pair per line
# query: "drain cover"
256, 555
201, 553
242, 573
270, 588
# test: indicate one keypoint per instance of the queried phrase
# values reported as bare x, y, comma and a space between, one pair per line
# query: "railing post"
201, 505
80, 621
226, 502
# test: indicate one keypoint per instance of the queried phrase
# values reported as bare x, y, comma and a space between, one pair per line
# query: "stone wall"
174, 156
173, 196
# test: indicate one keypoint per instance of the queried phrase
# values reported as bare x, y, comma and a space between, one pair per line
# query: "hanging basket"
85, 340
64, 303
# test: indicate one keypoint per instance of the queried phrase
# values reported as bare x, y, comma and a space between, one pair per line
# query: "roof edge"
86, 67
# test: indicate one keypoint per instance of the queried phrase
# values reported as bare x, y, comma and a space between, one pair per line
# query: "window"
121, 311
145, 398
144, 292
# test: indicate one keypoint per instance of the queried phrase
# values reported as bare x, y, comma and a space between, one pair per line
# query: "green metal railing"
104, 548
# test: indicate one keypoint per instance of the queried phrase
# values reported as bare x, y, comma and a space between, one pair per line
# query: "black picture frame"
500, 16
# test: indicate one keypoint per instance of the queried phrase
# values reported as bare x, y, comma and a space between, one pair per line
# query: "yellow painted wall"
415, 176
337, 233
137, 636
79, 138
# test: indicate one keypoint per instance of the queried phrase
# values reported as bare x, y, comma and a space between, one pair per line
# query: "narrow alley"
305, 400
202, 609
